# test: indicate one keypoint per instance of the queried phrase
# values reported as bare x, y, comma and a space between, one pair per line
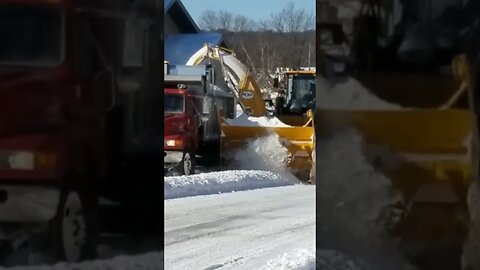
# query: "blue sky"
253, 9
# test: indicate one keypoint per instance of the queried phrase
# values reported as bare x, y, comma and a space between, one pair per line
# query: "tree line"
285, 39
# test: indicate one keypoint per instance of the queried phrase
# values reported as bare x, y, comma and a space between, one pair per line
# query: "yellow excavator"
296, 96
425, 147
232, 74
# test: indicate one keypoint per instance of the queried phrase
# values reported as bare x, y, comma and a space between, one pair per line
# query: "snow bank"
222, 182
249, 121
302, 259
350, 95
149, 261
306, 259
334, 260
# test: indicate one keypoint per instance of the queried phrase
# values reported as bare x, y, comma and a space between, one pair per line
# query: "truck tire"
188, 164
71, 235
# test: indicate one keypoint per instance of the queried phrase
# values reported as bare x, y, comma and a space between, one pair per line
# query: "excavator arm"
238, 78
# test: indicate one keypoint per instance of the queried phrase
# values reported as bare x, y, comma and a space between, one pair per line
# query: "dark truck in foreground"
79, 111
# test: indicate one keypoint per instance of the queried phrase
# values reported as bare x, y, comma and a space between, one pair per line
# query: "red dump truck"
79, 108
191, 122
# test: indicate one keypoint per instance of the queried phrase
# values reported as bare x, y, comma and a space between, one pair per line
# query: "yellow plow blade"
298, 141
414, 148
294, 120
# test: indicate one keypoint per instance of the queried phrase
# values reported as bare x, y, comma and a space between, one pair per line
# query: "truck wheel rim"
187, 164
73, 228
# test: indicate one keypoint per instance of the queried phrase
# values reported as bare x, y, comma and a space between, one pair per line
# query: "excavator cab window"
301, 93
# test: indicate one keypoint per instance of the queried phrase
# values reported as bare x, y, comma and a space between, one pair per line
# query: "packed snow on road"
150, 261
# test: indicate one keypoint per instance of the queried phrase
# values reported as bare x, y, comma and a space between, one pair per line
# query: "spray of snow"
351, 201
264, 153
222, 182
349, 95
147, 261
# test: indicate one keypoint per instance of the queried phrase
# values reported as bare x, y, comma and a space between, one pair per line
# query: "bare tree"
285, 39
223, 20
243, 24
289, 19
208, 21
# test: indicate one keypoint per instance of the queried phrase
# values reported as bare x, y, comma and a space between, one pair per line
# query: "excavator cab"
300, 94
297, 98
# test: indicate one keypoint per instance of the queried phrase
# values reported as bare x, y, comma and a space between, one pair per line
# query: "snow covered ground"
241, 230
150, 261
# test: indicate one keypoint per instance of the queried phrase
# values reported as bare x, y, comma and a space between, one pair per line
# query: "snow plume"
351, 197
264, 153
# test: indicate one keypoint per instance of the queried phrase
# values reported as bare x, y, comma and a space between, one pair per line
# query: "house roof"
179, 48
167, 4
180, 15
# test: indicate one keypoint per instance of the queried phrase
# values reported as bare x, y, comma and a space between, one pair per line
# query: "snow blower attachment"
423, 149
253, 121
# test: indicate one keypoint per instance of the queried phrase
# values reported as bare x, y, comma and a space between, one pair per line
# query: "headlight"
173, 143
170, 143
27, 160
21, 160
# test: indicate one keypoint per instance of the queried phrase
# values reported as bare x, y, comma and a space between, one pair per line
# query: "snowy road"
242, 230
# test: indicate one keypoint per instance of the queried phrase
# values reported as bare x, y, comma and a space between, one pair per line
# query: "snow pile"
150, 261
302, 259
325, 259
351, 202
222, 182
350, 95
250, 121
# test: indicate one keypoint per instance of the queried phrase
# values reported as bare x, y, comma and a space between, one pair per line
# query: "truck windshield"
173, 103
30, 36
